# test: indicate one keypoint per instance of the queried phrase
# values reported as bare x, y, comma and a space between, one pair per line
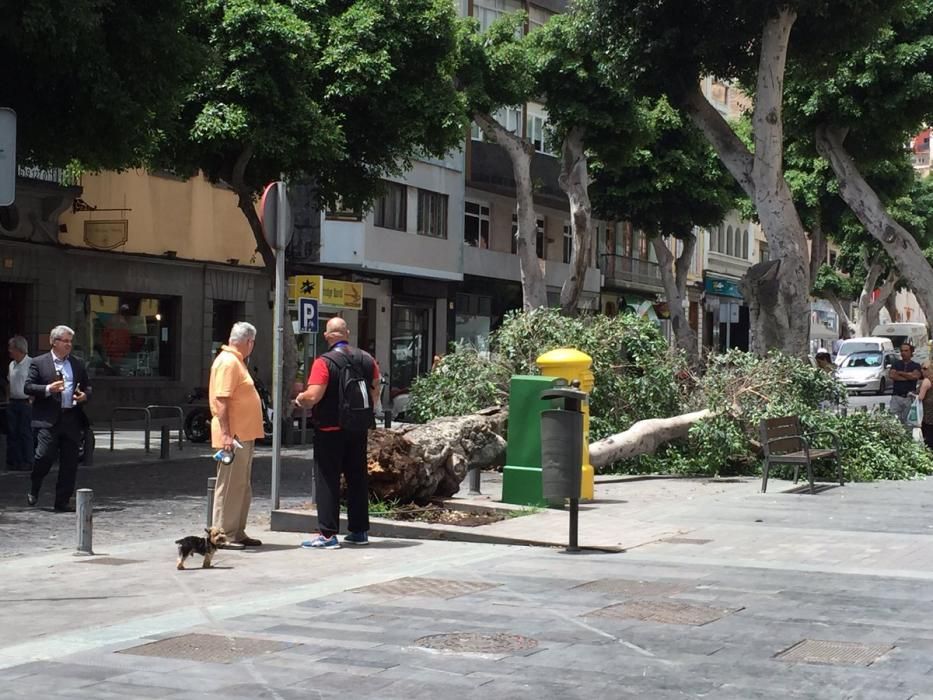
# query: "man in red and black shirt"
336, 450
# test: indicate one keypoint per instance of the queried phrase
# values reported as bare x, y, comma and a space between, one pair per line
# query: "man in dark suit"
58, 383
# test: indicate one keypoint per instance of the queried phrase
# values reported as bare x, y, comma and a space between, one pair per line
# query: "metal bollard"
211, 485
165, 447
84, 508
475, 474
387, 418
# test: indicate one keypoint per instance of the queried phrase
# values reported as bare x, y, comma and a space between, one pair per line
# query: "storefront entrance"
13, 314
412, 347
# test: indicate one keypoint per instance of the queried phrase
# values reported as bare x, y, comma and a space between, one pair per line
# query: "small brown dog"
205, 546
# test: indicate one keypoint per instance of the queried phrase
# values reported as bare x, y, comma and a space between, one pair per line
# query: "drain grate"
668, 612
108, 561
629, 587
429, 587
474, 643
685, 540
814, 651
207, 647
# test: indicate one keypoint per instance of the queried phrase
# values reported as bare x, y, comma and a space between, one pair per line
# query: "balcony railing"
58, 176
621, 269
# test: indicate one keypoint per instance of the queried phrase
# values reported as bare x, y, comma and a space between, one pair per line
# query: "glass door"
411, 342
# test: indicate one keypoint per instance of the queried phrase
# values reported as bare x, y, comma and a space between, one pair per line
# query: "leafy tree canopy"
343, 93
93, 80
671, 183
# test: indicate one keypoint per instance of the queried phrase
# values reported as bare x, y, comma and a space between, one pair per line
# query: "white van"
917, 334
867, 344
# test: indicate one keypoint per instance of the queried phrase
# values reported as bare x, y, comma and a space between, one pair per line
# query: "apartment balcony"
491, 169
622, 271
500, 265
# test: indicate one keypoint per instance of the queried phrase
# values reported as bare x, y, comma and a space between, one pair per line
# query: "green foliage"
635, 373
875, 446
465, 381
94, 81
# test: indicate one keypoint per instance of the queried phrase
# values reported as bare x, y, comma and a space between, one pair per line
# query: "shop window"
476, 224
390, 210
127, 335
432, 214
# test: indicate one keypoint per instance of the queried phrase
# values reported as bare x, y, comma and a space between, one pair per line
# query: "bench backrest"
785, 431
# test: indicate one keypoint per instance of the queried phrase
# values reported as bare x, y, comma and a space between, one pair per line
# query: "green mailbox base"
522, 486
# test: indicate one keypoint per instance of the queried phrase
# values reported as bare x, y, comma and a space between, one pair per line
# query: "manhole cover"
207, 647
668, 612
813, 651
474, 643
108, 561
628, 587
430, 587
685, 540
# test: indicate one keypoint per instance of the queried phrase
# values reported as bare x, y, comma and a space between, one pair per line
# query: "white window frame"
432, 214
398, 220
482, 216
536, 129
567, 243
488, 11
540, 243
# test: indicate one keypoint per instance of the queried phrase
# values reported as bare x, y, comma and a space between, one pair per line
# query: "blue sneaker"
358, 538
321, 542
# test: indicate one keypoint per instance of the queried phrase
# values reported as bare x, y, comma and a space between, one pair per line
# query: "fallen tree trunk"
421, 462
644, 437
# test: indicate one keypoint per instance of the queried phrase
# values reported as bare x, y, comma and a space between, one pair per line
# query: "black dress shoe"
65, 509
31, 500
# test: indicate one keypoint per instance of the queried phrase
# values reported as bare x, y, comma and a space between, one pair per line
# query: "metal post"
277, 351
474, 482
84, 508
304, 411
148, 429
574, 522
165, 446
211, 485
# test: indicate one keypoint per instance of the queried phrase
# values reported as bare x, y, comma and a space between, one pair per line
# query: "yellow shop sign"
335, 293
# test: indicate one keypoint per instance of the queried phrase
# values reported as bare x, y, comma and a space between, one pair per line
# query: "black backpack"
355, 410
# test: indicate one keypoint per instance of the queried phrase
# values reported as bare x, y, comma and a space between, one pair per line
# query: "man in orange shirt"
237, 413
337, 450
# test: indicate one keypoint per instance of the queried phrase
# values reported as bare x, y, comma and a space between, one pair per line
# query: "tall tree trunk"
674, 278
534, 290
818, 247
574, 180
864, 202
776, 292
891, 305
847, 328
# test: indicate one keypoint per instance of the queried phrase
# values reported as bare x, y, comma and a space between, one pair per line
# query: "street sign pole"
277, 229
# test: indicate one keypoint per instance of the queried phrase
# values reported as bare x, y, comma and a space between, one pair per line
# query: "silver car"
866, 371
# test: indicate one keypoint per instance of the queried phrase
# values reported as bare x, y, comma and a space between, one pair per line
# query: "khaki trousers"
233, 492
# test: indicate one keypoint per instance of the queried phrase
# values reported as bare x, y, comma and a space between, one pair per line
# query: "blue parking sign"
307, 315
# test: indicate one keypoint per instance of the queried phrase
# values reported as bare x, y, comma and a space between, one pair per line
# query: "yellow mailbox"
570, 365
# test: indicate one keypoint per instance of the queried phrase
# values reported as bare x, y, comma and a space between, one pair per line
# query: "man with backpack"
342, 390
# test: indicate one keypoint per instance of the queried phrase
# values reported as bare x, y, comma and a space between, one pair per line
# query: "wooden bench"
783, 442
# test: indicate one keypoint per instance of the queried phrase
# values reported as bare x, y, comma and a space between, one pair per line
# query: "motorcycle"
198, 419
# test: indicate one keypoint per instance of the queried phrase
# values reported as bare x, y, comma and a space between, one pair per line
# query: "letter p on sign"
307, 314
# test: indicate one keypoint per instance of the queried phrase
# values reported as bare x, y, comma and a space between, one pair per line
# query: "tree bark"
674, 278
574, 180
847, 327
777, 295
520, 152
644, 437
818, 247
864, 202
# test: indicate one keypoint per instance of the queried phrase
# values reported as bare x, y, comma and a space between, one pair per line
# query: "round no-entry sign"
275, 213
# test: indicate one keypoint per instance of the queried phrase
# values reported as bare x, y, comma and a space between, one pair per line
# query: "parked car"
866, 371
865, 344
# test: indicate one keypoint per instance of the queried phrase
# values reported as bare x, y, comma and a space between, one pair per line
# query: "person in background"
824, 362
237, 415
59, 385
905, 373
926, 399
19, 440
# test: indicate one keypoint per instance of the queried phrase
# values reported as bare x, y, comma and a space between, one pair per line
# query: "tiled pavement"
774, 569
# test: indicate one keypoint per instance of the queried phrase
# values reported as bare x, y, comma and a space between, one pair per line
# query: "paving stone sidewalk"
763, 596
